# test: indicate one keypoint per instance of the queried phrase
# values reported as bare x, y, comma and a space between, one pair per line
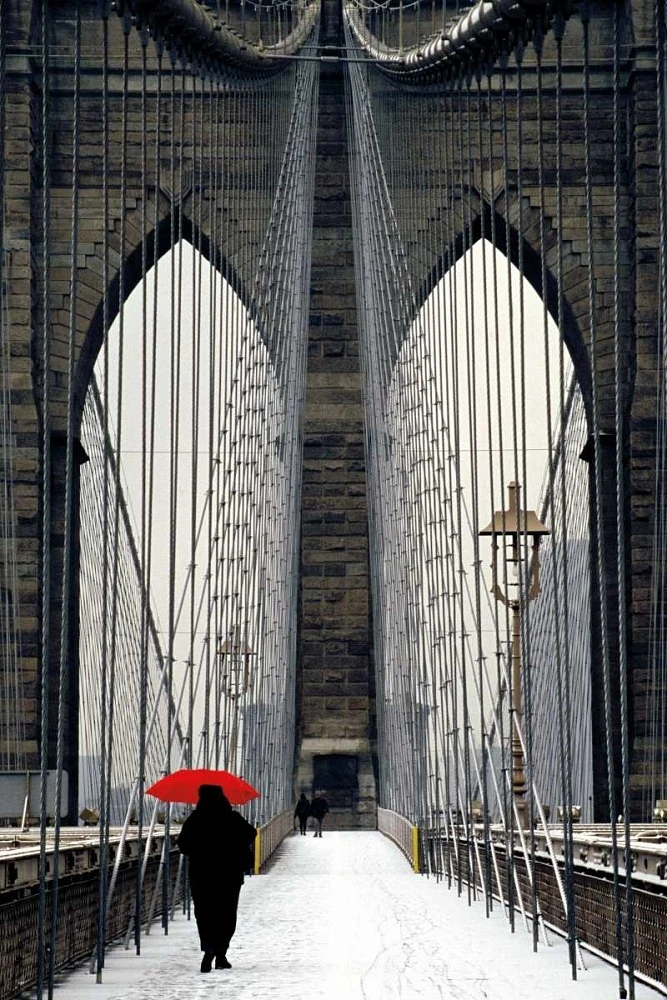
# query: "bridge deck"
344, 918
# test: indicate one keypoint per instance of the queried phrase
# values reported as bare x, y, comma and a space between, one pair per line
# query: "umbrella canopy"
183, 786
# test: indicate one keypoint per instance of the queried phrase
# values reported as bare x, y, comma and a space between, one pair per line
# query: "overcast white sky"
244, 348
240, 333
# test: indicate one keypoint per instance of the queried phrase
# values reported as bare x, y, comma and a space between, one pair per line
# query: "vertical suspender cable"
145, 593
470, 388
197, 142
620, 367
45, 391
455, 483
474, 401
165, 860
108, 707
221, 319
559, 31
515, 713
103, 871
174, 483
174, 616
213, 361
500, 686
197, 387
13, 753
6, 511
67, 580
434, 516
488, 896
599, 527
655, 756
449, 358
657, 735
117, 491
563, 715
510, 308
522, 476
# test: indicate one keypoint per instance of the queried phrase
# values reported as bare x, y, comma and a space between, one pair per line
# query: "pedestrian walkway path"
344, 918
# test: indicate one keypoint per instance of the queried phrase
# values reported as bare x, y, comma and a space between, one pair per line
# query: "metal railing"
77, 915
270, 836
404, 834
76, 918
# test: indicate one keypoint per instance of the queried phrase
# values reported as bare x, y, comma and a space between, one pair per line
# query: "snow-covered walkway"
344, 918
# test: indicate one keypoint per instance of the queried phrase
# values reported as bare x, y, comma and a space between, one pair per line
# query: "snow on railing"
78, 852
593, 847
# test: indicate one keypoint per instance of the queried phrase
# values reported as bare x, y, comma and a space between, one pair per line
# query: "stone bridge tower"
139, 230
336, 701
336, 686
481, 190
336, 695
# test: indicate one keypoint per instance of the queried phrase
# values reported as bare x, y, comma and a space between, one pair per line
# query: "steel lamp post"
519, 532
237, 683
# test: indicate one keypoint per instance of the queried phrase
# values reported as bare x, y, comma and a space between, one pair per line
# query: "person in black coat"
303, 812
319, 807
218, 842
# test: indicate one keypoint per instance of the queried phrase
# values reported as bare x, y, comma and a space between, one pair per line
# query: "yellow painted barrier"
258, 852
269, 837
415, 849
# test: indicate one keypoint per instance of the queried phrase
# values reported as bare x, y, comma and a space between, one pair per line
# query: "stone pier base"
343, 770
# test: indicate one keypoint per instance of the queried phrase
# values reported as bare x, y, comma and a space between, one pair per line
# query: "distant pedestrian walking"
303, 812
218, 841
319, 807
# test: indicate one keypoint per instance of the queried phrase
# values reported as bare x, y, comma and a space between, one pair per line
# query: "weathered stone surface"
335, 601
235, 237
335, 630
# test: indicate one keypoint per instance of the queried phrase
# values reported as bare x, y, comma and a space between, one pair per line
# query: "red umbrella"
183, 786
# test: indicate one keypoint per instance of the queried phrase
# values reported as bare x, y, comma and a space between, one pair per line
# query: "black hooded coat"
302, 809
218, 842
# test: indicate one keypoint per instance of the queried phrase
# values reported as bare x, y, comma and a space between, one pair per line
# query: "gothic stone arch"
476, 189
229, 234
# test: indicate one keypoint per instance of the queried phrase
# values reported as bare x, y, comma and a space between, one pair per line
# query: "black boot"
207, 961
222, 963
